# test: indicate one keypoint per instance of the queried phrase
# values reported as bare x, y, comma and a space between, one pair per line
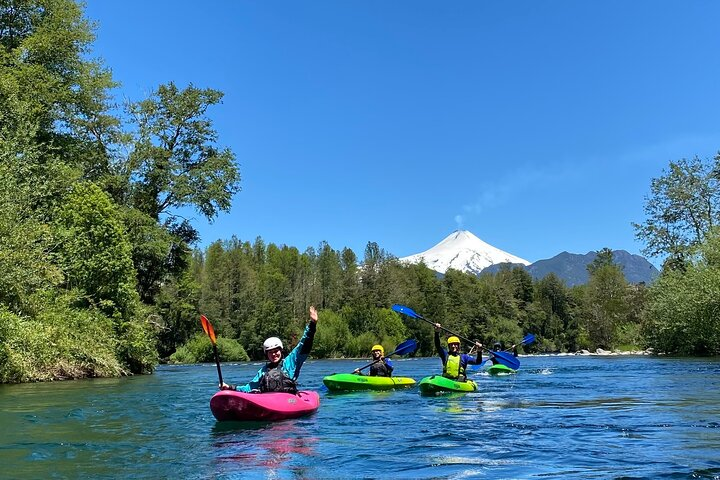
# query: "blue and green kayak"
349, 382
436, 384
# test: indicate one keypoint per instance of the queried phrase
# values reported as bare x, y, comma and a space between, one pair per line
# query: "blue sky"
538, 126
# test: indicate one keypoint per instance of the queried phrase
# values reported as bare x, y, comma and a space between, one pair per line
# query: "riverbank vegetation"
100, 277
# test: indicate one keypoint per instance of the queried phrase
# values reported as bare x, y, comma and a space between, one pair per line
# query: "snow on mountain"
463, 251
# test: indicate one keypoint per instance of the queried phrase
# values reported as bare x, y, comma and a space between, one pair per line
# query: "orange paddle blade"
208, 328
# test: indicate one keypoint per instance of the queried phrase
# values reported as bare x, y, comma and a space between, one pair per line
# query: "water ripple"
559, 417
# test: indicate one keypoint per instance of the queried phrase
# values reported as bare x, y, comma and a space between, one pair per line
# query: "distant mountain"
463, 251
572, 267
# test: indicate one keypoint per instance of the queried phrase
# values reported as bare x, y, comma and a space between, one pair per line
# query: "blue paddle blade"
529, 338
408, 346
406, 310
507, 359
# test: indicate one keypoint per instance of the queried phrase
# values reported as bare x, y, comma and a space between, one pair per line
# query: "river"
559, 417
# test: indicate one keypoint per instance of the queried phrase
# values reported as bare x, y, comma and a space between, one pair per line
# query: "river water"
559, 417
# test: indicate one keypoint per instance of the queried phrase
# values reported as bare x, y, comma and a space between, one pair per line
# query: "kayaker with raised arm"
281, 372
497, 347
454, 362
383, 366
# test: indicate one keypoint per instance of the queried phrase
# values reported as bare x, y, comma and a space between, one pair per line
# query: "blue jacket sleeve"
253, 384
389, 365
470, 360
295, 359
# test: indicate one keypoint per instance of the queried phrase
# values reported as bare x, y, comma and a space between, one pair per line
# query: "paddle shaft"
371, 364
450, 332
210, 331
217, 363
509, 362
407, 346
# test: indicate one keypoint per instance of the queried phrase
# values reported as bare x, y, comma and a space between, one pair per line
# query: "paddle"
527, 339
505, 358
408, 346
211, 333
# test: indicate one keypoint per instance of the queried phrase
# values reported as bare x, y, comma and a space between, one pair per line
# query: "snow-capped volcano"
463, 251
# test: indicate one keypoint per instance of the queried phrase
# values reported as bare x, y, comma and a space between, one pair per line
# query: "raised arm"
478, 359
298, 355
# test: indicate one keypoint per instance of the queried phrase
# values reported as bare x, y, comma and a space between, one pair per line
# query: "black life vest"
275, 380
380, 370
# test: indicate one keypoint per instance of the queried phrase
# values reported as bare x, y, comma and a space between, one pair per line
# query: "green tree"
330, 277
603, 258
25, 236
553, 318
683, 205
606, 305
332, 335
45, 65
93, 251
349, 276
175, 162
681, 317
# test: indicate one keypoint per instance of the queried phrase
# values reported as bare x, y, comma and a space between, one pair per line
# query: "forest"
100, 276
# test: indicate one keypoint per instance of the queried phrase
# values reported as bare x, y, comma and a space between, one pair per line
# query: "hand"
225, 386
255, 390
478, 345
382, 358
437, 327
313, 314
356, 371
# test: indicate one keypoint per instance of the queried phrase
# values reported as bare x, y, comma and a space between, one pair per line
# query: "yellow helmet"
453, 339
378, 347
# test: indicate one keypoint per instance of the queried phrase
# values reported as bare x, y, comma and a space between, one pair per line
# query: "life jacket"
380, 370
453, 369
275, 380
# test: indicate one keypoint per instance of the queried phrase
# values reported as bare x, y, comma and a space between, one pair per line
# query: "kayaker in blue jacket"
281, 372
454, 362
497, 347
383, 367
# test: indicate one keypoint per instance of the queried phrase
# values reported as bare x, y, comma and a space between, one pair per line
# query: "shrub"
199, 350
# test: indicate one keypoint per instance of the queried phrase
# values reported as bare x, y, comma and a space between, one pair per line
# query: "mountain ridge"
572, 267
462, 250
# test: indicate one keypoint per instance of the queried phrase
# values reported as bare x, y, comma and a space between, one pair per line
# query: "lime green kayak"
438, 384
500, 369
350, 381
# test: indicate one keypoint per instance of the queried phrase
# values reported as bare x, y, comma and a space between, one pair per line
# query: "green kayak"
350, 381
439, 384
500, 369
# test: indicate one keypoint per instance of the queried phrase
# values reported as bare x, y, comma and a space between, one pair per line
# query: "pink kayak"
232, 405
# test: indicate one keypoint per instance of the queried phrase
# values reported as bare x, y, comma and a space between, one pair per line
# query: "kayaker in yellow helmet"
454, 362
383, 367
281, 372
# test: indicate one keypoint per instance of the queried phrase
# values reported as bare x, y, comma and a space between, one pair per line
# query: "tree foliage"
81, 242
683, 205
683, 315
175, 162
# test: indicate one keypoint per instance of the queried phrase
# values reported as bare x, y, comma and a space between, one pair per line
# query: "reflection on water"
270, 448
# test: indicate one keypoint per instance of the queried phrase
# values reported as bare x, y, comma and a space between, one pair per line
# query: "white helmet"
272, 342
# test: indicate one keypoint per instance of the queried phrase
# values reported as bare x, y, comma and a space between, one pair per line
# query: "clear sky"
536, 125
